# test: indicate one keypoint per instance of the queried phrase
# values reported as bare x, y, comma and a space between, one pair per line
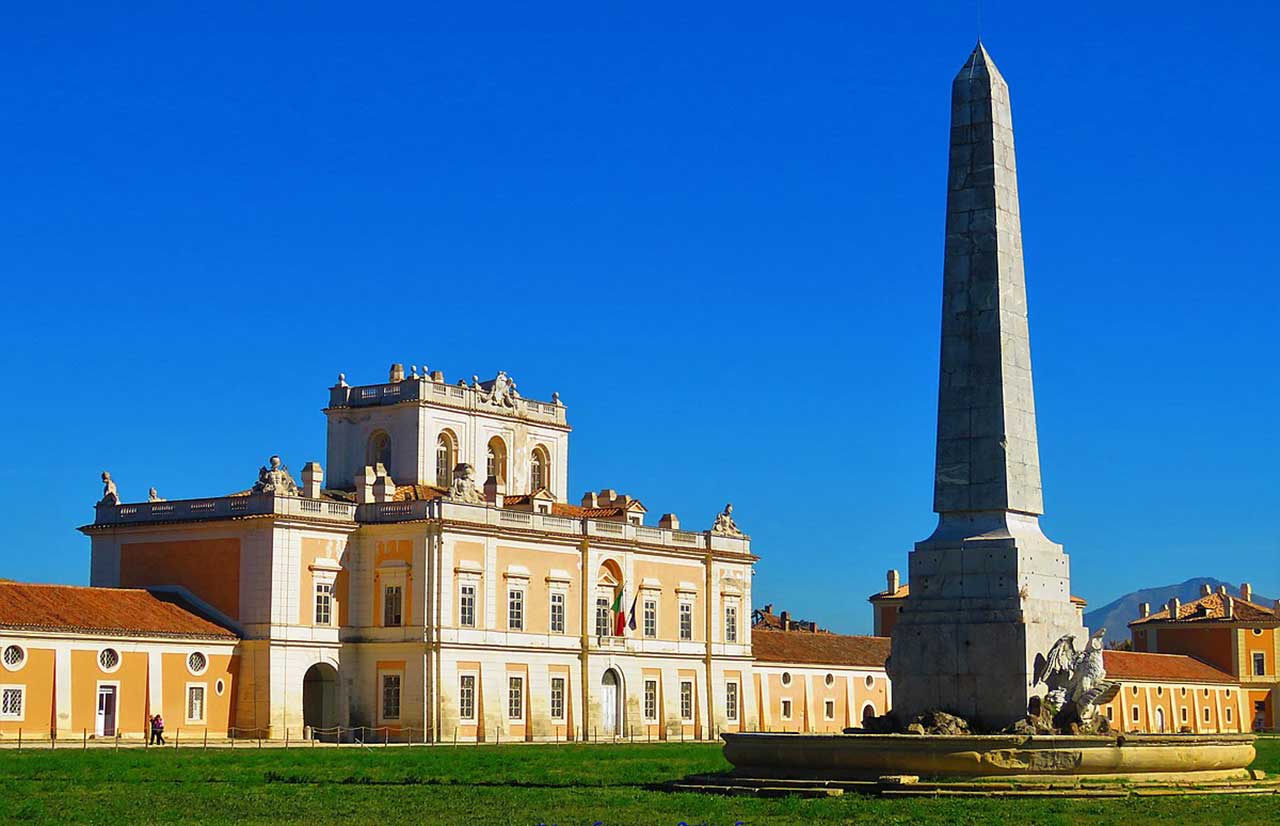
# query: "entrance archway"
611, 703
1159, 721
320, 701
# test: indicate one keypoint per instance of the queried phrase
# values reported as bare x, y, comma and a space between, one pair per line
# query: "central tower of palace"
988, 590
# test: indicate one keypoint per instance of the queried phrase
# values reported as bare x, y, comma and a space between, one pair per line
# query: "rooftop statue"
464, 487
110, 496
153, 496
724, 525
501, 391
275, 479
1077, 681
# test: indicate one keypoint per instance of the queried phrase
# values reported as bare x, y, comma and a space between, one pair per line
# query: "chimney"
892, 581
768, 606
607, 495
1222, 589
1144, 610
493, 491
590, 500
786, 621
384, 490
1175, 605
1246, 592
1275, 609
438, 377
364, 486
396, 373
669, 520
1231, 608
312, 480
1205, 589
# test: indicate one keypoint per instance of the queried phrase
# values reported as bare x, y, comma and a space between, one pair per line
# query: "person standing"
157, 730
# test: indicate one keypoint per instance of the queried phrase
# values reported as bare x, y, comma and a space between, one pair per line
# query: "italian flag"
619, 615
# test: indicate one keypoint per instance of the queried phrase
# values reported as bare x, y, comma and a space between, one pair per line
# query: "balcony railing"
224, 507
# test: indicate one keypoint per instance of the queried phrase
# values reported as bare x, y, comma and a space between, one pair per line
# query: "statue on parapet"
501, 392
153, 496
724, 524
1077, 683
110, 495
275, 479
464, 487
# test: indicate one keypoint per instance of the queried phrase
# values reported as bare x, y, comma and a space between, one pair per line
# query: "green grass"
504, 784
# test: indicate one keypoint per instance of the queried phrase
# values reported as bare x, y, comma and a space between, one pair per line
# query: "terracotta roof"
1213, 608
579, 512
765, 619
905, 589
413, 493
117, 611
1136, 665
819, 649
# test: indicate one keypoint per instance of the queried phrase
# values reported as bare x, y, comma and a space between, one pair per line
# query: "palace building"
401, 591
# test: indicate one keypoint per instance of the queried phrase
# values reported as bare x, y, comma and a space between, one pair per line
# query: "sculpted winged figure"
1077, 680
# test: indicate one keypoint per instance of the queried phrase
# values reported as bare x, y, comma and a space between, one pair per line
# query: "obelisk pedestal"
988, 590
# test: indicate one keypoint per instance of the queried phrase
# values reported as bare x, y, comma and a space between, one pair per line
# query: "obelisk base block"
988, 593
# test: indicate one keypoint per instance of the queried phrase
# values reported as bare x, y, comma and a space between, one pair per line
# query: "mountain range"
1116, 615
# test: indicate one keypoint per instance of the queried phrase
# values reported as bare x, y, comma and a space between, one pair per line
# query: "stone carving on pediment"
275, 479
110, 495
464, 487
724, 524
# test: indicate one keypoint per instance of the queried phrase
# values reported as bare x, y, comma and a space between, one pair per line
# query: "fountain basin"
868, 756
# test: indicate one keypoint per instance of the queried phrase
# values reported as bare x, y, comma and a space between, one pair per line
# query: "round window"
219, 687
108, 659
1228, 692
1257, 632
14, 657
831, 679
197, 663
870, 681
1183, 691
1135, 690
1206, 693
786, 678
1159, 691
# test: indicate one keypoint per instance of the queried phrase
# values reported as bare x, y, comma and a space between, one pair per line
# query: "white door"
1160, 721
105, 725
609, 703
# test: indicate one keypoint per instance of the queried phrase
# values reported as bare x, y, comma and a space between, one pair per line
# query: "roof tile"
117, 611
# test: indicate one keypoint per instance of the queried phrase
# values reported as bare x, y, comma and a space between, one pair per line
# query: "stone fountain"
988, 632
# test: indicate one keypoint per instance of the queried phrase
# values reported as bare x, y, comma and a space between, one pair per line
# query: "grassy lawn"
504, 784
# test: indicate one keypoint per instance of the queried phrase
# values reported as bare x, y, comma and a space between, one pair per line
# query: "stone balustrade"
463, 397
224, 507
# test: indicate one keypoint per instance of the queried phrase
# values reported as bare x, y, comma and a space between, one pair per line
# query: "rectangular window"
392, 600
651, 699
786, 709
1184, 714
731, 702
602, 617
1110, 713
515, 610
829, 710
11, 698
557, 698
391, 696
467, 606
467, 697
731, 623
515, 698
1206, 713
1259, 664
557, 612
195, 704
650, 618
324, 603
1136, 714
686, 620
686, 701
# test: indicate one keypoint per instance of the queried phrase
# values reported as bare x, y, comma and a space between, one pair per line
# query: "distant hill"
1117, 615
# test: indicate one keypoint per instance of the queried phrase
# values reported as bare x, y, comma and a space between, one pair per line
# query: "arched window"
496, 460
446, 458
379, 450
539, 469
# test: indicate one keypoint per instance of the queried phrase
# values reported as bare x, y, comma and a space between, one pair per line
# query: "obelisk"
988, 590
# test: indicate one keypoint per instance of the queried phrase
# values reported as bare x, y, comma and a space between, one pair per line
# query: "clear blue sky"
716, 232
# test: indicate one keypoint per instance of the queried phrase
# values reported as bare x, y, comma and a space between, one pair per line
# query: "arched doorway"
611, 703
320, 701
1159, 721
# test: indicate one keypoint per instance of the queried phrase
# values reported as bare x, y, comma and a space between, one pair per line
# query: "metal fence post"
85, 744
